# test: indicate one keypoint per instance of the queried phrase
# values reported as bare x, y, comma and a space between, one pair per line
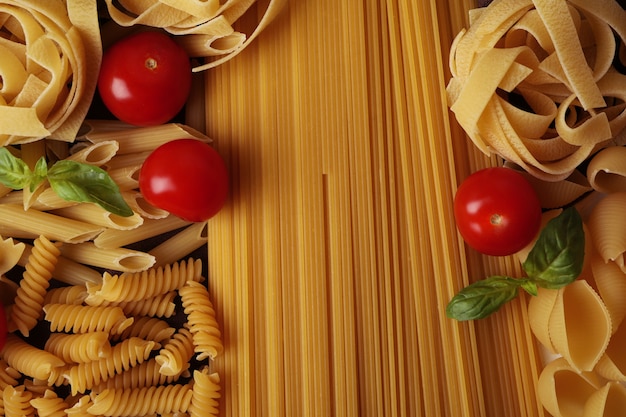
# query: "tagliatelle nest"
205, 26
534, 82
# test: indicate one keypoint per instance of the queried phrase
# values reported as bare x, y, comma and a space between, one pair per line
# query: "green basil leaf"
529, 286
39, 173
14, 173
74, 181
557, 257
482, 298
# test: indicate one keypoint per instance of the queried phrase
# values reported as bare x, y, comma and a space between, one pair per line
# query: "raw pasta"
202, 320
206, 392
79, 348
83, 319
136, 402
176, 353
49, 405
16, 402
29, 360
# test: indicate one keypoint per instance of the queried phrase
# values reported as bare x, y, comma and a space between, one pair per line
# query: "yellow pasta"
93, 214
180, 245
29, 360
117, 259
68, 271
97, 154
16, 401
161, 305
145, 284
72, 294
33, 287
176, 354
148, 328
123, 356
202, 320
606, 172
83, 319
606, 227
49, 405
111, 238
164, 399
608, 401
146, 374
206, 394
79, 348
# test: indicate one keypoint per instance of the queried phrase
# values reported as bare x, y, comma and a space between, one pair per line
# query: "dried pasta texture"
29, 360
608, 228
124, 355
206, 394
83, 319
8, 375
202, 321
164, 399
72, 294
31, 294
158, 306
146, 284
608, 401
80, 347
148, 328
17, 402
146, 374
176, 353
50, 405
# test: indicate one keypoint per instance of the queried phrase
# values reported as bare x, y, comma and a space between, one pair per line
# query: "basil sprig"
71, 180
555, 261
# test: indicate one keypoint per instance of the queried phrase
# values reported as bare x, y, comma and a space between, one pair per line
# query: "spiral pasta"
147, 328
164, 399
73, 294
206, 393
176, 353
29, 360
124, 355
161, 305
34, 284
145, 374
49, 405
145, 284
83, 319
80, 347
17, 402
202, 321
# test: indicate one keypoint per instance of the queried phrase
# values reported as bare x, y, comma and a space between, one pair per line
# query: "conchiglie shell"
607, 225
580, 325
608, 401
607, 171
539, 311
612, 365
563, 391
610, 282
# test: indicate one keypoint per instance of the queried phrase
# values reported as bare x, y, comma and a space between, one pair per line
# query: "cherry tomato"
3, 326
186, 177
145, 79
497, 211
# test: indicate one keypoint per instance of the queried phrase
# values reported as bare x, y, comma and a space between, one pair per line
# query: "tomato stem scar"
495, 219
151, 63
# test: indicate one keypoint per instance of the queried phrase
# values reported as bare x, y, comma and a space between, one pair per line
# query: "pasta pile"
105, 318
535, 82
205, 28
48, 55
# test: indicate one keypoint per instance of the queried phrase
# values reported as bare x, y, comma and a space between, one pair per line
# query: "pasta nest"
205, 26
535, 82
45, 57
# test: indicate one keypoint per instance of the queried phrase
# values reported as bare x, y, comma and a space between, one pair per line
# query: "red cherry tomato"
186, 177
145, 79
497, 211
3, 326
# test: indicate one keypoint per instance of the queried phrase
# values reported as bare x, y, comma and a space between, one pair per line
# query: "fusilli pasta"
206, 393
49, 405
80, 347
176, 353
17, 402
164, 399
202, 321
29, 360
83, 319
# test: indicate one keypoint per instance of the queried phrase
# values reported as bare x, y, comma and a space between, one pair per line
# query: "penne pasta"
139, 205
117, 259
96, 215
181, 244
96, 154
111, 239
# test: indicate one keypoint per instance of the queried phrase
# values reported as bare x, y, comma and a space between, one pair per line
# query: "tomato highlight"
497, 211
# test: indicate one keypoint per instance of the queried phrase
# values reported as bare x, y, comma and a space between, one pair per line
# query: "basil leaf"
482, 298
14, 173
74, 181
39, 173
557, 257
529, 286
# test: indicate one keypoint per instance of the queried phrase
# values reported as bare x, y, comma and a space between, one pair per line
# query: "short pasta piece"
73, 294
83, 319
34, 285
29, 360
176, 353
145, 374
206, 394
201, 318
17, 402
161, 305
49, 405
80, 347
124, 355
164, 399
141, 285
147, 328
8, 375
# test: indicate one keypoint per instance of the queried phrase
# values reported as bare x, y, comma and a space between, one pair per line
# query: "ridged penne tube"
96, 154
80, 347
181, 244
540, 309
29, 360
563, 391
607, 225
117, 259
606, 170
136, 140
84, 319
126, 178
112, 238
580, 325
52, 226
608, 401
34, 284
94, 214
610, 281
138, 204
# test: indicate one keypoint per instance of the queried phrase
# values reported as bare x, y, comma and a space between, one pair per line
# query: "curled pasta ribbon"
533, 81
176, 353
47, 62
608, 228
205, 27
17, 401
606, 170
